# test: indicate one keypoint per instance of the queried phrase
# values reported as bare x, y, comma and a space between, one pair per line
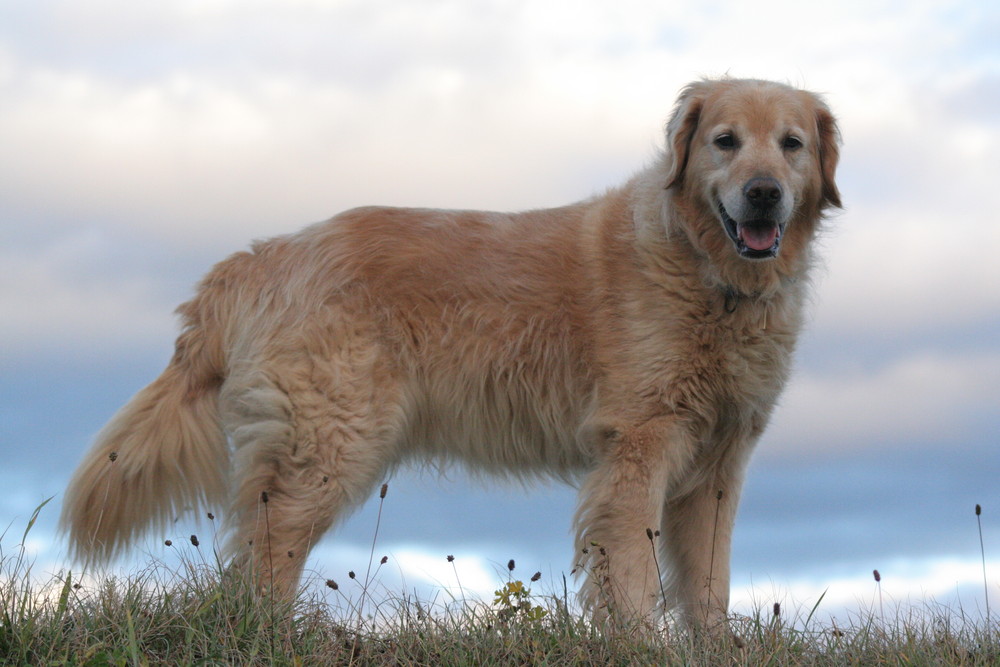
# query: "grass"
198, 613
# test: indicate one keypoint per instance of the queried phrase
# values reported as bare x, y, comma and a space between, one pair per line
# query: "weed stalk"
711, 561
371, 555
982, 553
659, 575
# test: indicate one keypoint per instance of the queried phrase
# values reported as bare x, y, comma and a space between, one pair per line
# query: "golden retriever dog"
634, 343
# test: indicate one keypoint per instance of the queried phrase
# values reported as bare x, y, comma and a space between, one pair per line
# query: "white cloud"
184, 158
912, 585
408, 569
254, 119
470, 574
890, 271
918, 398
54, 301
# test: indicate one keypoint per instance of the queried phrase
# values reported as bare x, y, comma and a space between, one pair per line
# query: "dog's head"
755, 158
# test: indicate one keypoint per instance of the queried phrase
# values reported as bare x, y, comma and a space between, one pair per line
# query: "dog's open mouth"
754, 239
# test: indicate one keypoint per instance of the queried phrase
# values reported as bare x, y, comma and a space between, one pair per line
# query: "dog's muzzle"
754, 239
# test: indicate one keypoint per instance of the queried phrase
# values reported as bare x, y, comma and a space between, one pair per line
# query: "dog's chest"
718, 368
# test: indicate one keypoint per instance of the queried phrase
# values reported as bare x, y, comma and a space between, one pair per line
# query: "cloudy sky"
142, 142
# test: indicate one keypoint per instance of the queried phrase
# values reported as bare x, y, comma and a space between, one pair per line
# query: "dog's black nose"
762, 192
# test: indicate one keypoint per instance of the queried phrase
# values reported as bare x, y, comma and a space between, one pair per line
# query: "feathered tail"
164, 452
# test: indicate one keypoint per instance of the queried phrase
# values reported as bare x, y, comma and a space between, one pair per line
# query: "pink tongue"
759, 237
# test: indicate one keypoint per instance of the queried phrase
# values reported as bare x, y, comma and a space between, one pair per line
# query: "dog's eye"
725, 141
791, 143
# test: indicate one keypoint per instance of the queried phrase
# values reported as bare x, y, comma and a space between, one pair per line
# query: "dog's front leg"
697, 531
621, 505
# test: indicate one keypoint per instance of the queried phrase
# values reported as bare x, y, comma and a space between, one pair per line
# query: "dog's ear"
681, 128
829, 155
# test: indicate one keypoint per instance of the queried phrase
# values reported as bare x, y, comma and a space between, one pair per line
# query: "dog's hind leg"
311, 443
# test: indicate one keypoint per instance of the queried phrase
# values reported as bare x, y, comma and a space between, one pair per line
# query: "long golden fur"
635, 342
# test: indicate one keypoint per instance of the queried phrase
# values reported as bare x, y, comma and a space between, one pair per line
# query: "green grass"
198, 614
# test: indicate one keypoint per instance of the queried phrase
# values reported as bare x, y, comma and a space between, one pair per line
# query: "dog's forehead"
759, 107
